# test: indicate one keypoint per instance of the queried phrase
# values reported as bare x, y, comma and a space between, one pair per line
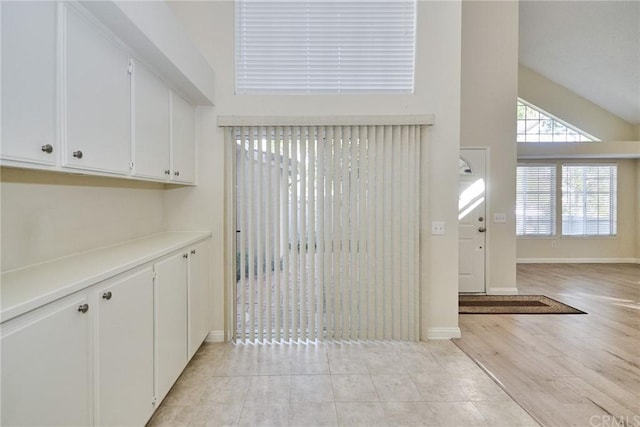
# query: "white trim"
578, 260
215, 336
421, 119
503, 291
443, 333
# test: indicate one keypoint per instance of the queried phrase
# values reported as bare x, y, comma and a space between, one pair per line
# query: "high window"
589, 203
536, 200
324, 47
536, 125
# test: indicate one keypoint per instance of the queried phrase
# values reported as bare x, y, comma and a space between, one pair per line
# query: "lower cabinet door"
124, 374
199, 301
46, 366
171, 321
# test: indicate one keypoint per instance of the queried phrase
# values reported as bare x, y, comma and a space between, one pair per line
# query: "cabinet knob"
48, 148
482, 229
77, 154
107, 295
83, 308
185, 256
167, 172
193, 251
177, 173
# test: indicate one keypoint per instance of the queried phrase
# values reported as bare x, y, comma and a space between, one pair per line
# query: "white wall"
49, 215
437, 90
489, 93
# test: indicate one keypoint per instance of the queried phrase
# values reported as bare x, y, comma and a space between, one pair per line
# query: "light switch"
437, 227
499, 218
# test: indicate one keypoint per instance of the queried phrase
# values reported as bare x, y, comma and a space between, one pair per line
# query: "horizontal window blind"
589, 200
536, 200
311, 46
328, 232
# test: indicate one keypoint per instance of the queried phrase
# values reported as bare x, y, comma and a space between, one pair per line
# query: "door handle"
482, 229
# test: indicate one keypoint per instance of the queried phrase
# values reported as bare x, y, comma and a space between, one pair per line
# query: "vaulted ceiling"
590, 47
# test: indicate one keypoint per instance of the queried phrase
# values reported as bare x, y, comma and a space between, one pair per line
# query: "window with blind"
536, 200
589, 200
323, 47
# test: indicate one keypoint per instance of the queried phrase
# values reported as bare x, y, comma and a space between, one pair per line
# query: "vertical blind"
311, 46
327, 246
589, 200
536, 200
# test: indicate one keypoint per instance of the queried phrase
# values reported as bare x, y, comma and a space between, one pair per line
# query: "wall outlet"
554, 244
499, 218
437, 227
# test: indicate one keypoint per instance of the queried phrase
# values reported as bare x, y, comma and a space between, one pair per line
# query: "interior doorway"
472, 221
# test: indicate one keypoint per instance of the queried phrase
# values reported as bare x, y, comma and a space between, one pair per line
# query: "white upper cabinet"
96, 96
151, 144
183, 140
29, 82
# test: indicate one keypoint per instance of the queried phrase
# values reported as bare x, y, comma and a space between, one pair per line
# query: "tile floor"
337, 384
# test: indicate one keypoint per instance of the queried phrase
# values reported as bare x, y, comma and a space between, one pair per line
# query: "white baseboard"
503, 291
578, 260
443, 333
215, 336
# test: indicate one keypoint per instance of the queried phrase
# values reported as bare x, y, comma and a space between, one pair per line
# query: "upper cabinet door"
97, 98
29, 82
183, 140
151, 124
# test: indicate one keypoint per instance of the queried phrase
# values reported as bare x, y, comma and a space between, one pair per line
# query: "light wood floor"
581, 370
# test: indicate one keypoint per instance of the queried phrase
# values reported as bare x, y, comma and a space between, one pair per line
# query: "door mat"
513, 304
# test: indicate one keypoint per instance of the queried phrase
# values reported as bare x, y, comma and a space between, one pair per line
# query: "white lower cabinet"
124, 344
108, 354
198, 286
47, 365
171, 321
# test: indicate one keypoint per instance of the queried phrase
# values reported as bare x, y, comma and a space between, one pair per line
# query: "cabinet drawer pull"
167, 172
193, 251
107, 295
177, 173
48, 148
185, 256
83, 308
77, 154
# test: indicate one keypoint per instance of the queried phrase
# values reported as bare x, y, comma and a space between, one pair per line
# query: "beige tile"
226, 389
507, 414
353, 388
269, 389
395, 388
311, 388
216, 415
409, 414
384, 363
458, 363
265, 414
457, 414
346, 362
439, 387
361, 414
418, 362
313, 414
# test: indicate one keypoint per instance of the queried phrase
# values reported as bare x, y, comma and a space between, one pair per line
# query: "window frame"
553, 200
613, 195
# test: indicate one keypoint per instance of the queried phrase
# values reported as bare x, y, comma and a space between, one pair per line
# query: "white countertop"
30, 287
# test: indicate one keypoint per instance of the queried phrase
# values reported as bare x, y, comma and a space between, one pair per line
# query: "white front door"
472, 221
